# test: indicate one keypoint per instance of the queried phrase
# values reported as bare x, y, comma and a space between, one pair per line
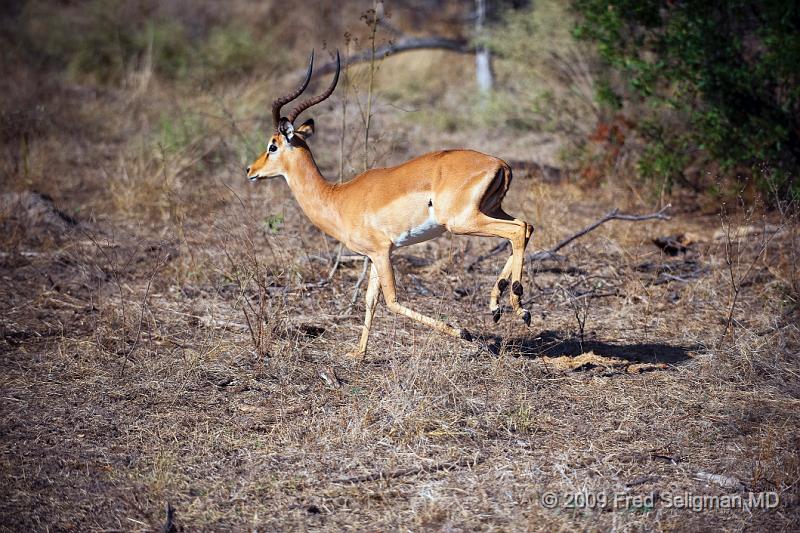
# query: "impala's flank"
384, 208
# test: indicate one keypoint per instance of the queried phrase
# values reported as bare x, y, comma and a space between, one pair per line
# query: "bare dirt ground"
131, 379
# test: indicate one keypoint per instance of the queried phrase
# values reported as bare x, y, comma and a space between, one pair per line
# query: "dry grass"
112, 410
131, 378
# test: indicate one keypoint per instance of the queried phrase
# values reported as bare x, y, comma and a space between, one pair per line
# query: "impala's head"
286, 139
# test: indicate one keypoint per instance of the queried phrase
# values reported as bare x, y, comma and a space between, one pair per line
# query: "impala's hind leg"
498, 288
518, 232
518, 261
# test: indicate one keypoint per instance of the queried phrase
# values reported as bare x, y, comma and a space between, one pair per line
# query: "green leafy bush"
719, 78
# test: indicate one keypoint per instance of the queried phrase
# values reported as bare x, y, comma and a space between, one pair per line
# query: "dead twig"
736, 285
169, 524
115, 275
373, 19
614, 214
327, 279
138, 337
641, 480
551, 253
392, 474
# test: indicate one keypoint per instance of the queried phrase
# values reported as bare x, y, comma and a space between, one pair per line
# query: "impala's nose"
247, 170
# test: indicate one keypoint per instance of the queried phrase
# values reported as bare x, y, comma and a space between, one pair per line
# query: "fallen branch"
614, 214
551, 253
436, 467
403, 44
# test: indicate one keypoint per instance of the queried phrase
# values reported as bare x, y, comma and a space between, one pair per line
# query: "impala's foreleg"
373, 289
386, 273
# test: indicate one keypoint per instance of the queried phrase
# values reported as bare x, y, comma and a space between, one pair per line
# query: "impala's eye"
273, 148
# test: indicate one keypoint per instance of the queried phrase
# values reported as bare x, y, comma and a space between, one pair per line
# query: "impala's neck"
313, 192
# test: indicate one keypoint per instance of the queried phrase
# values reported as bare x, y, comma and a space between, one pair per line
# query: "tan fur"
368, 214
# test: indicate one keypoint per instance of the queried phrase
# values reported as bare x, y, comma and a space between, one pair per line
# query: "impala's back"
422, 198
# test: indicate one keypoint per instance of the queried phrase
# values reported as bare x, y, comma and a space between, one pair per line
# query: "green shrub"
721, 77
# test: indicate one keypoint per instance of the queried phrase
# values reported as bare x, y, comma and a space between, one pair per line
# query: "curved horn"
280, 102
317, 99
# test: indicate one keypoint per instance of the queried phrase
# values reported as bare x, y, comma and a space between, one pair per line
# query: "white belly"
430, 229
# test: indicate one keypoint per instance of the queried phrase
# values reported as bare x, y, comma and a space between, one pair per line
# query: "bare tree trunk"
483, 59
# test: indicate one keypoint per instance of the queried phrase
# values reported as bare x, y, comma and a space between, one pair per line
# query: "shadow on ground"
555, 344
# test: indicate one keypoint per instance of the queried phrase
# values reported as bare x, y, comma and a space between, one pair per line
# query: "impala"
459, 191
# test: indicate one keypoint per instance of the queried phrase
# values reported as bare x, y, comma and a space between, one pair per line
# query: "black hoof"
502, 284
496, 315
516, 287
526, 317
466, 335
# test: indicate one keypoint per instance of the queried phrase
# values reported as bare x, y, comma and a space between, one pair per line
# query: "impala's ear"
286, 129
306, 130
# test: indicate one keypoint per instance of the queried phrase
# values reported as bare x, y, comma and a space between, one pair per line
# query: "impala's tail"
491, 204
